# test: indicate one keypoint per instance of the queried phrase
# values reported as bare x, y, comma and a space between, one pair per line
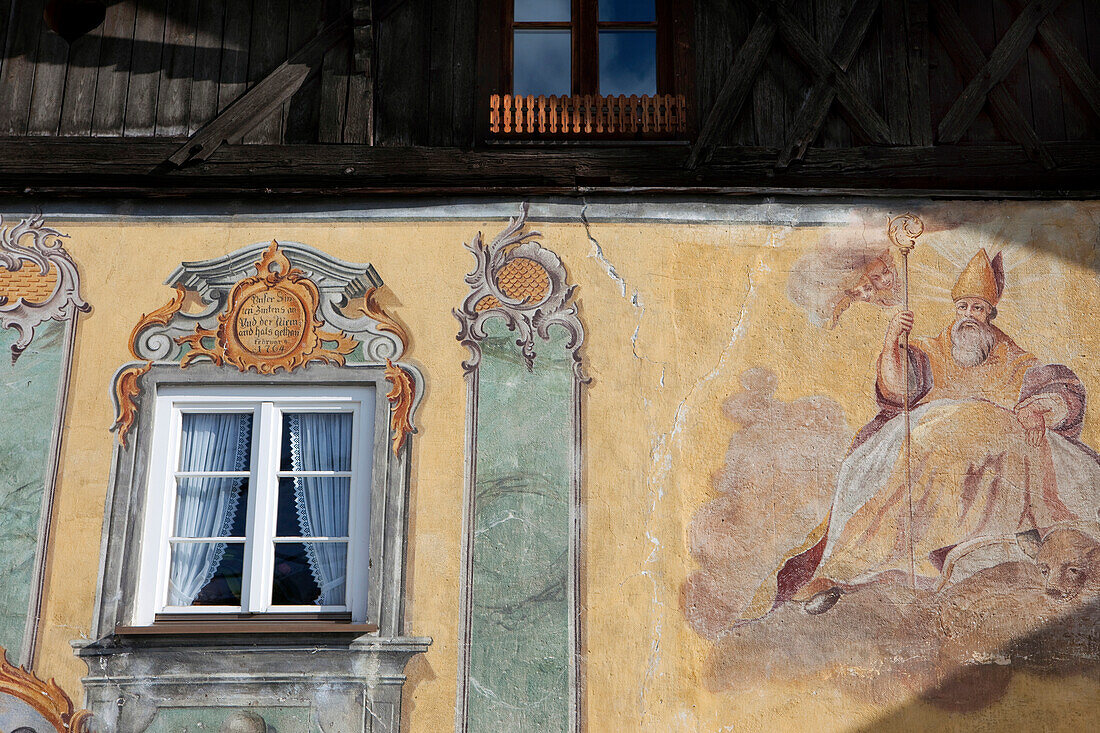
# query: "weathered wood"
262, 99
301, 111
335, 70
141, 95
811, 115
207, 70
1082, 122
359, 116
358, 124
80, 83
236, 35
113, 74
117, 167
1018, 80
401, 78
50, 62
860, 115
908, 107
1070, 62
452, 91
1007, 53
17, 73
266, 50
968, 57
824, 19
735, 89
177, 68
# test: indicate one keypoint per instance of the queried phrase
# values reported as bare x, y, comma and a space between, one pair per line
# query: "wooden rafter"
1061, 50
815, 106
1007, 53
263, 98
968, 57
862, 117
735, 89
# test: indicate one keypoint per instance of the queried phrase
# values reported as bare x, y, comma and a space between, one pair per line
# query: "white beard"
971, 342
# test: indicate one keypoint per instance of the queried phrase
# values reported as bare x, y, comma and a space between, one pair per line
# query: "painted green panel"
520, 645
209, 720
29, 389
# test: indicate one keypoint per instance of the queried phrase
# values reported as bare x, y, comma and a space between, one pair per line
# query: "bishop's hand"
900, 326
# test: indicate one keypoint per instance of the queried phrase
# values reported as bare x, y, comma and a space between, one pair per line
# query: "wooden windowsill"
208, 625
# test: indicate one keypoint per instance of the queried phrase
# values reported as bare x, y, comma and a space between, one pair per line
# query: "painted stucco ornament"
267, 308
49, 290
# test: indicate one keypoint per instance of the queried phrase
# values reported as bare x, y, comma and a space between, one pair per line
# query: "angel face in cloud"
841, 271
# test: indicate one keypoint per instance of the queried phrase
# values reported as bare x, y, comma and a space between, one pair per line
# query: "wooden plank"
266, 50
969, 59
826, 22
1048, 118
113, 74
335, 70
80, 85
811, 115
141, 96
1082, 122
735, 89
17, 74
441, 89
203, 105
860, 115
1072, 64
118, 168
977, 16
264, 98
1017, 81
51, 62
358, 124
908, 106
719, 26
300, 112
5, 31
1009, 51
401, 78
177, 69
236, 36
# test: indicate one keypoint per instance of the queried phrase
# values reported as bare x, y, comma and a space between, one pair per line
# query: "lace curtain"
322, 442
206, 506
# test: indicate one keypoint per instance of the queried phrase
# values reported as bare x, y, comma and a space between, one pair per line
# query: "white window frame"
266, 403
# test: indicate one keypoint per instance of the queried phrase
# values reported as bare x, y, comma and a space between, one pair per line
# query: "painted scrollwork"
46, 697
522, 283
292, 290
30, 298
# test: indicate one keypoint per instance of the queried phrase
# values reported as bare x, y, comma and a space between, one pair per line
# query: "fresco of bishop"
995, 451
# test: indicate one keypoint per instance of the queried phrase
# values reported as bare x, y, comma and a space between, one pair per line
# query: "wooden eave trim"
71, 167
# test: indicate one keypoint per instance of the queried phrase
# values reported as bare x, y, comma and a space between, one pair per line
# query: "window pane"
542, 63
216, 441
536, 10
630, 10
211, 507
313, 507
310, 573
628, 62
316, 441
206, 574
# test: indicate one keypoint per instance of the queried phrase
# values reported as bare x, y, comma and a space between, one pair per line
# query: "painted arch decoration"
272, 307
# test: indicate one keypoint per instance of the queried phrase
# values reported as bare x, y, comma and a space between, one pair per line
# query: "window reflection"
628, 62
526, 11
542, 62
627, 10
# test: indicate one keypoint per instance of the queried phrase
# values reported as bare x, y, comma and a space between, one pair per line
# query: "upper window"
570, 66
258, 502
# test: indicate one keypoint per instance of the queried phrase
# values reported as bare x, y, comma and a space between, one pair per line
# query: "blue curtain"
322, 442
206, 506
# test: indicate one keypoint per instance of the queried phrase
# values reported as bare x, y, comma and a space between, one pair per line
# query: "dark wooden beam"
968, 57
735, 89
908, 103
262, 99
42, 166
1074, 67
363, 35
811, 114
1007, 53
857, 111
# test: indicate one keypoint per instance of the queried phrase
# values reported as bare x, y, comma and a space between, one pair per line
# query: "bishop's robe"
973, 473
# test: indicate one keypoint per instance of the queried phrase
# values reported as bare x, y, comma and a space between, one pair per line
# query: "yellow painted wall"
687, 309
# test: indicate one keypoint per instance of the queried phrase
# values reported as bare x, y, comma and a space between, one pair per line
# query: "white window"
258, 502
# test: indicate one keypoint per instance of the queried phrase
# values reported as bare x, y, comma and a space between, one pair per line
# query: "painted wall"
720, 409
